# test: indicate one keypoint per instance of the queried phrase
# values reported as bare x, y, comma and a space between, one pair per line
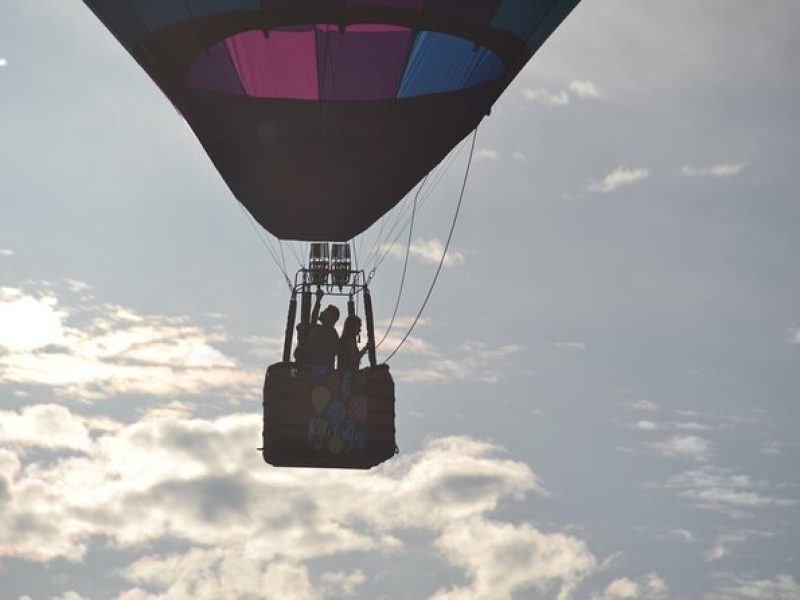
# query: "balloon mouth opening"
357, 62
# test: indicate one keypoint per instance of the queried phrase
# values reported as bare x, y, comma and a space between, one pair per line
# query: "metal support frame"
370, 327
304, 280
290, 318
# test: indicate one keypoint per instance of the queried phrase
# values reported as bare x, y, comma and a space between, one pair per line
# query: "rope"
428, 193
283, 258
265, 243
446, 247
405, 268
382, 249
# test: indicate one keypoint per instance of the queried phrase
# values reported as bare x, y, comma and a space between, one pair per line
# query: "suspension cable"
446, 247
426, 195
265, 243
405, 268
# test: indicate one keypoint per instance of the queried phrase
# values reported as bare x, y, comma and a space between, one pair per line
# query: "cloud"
572, 346
339, 583
501, 559
724, 491
779, 587
91, 352
3, 62
720, 170
427, 252
487, 154
6, 252
252, 529
618, 178
621, 588
70, 595
585, 89
209, 574
793, 335
402, 322
776, 447
547, 98
651, 586
684, 446
476, 361
45, 426
725, 542
681, 534
519, 156
580, 89
644, 405
646, 425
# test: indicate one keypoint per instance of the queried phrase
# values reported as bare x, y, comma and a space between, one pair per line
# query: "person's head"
352, 326
329, 316
302, 329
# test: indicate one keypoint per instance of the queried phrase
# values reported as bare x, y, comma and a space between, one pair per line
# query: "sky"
600, 403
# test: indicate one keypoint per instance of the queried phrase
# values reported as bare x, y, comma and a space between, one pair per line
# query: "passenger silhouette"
301, 355
348, 354
323, 340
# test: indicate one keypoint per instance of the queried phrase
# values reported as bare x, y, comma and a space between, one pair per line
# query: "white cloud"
476, 361
487, 154
427, 252
70, 595
687, 413
45, 426
619, 177
646, 425
722, 546
580, 89
502, 559
547, 98
339, 583
573, 346
777, 447
3, 62
27, 323
655, 584
401, 322
644, 405
210, 574
6, 252
585, 89
724, 491
113, 350
690, 426
719, 170
779, 587
75, 285
684, 446
651, 586
622, 588
199, 481
682, 534
793, 335
519, 156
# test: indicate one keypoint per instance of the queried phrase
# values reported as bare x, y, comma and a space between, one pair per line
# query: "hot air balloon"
321, 115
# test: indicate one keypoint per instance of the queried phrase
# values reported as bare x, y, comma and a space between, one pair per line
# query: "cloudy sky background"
601, 402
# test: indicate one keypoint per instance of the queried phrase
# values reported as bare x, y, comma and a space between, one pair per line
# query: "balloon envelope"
322, 114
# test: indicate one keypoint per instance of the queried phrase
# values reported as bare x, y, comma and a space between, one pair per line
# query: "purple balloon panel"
214, 70
366, 62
